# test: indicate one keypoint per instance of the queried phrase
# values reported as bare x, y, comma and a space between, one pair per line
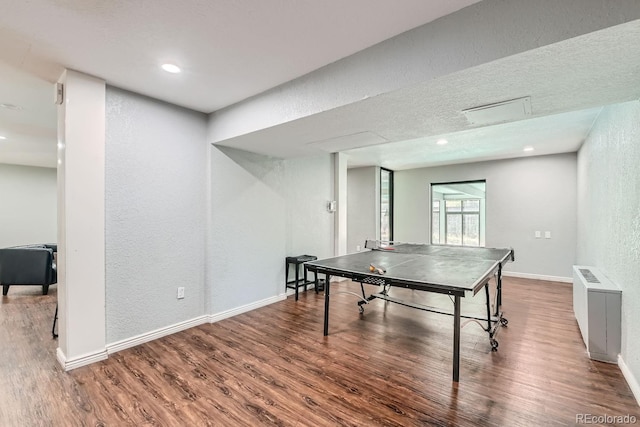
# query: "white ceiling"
231, 50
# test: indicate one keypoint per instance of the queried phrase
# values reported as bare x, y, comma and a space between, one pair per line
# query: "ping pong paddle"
375, 269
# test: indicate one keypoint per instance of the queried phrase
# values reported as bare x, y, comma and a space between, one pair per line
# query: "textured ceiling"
231, 50
567, 82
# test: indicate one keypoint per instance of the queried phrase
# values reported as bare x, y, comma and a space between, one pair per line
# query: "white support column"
340, 194
81, 221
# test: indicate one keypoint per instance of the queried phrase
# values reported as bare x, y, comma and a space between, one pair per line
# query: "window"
386, 204
458, 213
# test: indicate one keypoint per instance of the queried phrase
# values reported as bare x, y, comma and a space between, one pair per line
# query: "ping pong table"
450, 270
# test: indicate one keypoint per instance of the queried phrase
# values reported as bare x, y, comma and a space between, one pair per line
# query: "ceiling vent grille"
500, 112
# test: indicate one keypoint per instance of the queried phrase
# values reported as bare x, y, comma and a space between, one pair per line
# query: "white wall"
363, 210
339, 174
263, 209
156, 197
609, 216
29, 207
523, 195
307, 190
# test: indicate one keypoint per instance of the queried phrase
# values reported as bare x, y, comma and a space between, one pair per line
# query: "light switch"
547, 234
538, 235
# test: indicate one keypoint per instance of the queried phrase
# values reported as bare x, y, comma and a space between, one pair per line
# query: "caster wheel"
494, 345
503, 321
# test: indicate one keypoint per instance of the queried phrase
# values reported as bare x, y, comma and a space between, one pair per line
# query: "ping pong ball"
372, 268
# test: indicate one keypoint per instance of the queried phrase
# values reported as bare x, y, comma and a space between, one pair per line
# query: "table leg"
486, 289
499, 290
297, 280
55, 320
315, 280
326, 304
456, 338
304, 276
286, 276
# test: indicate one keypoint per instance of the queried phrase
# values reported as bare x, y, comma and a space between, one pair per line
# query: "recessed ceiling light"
442, 141
3, 137
528, 148
171, 68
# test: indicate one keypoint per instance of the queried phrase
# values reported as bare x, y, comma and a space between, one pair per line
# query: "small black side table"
297, 261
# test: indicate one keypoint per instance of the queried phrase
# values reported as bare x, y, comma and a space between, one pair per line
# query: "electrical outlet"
358, 248
180, 293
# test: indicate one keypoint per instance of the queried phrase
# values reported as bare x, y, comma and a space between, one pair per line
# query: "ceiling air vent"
500, 112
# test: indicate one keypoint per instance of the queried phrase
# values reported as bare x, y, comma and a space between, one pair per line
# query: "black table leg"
499, 290
55, 320
304, 275
315, 281
327, 286
486, 289
297, 280
456, 338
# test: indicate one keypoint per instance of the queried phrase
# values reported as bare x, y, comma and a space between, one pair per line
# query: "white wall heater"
596, 304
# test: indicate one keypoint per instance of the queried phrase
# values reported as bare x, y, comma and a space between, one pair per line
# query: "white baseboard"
114, 347
538, 277
243, 309
631, 379
77, 362
154, 335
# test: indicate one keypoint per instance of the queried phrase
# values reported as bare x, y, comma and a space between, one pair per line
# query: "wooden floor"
390, 366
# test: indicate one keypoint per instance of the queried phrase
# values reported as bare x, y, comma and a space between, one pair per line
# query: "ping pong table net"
379, 244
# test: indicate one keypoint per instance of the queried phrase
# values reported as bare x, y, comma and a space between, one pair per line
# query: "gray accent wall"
218, 222
247, 242
308, 187
609, 213
263, 209
523, 196
29, 208
156, 181
363, 206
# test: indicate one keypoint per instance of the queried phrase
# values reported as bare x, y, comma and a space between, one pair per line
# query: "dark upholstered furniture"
28, 265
